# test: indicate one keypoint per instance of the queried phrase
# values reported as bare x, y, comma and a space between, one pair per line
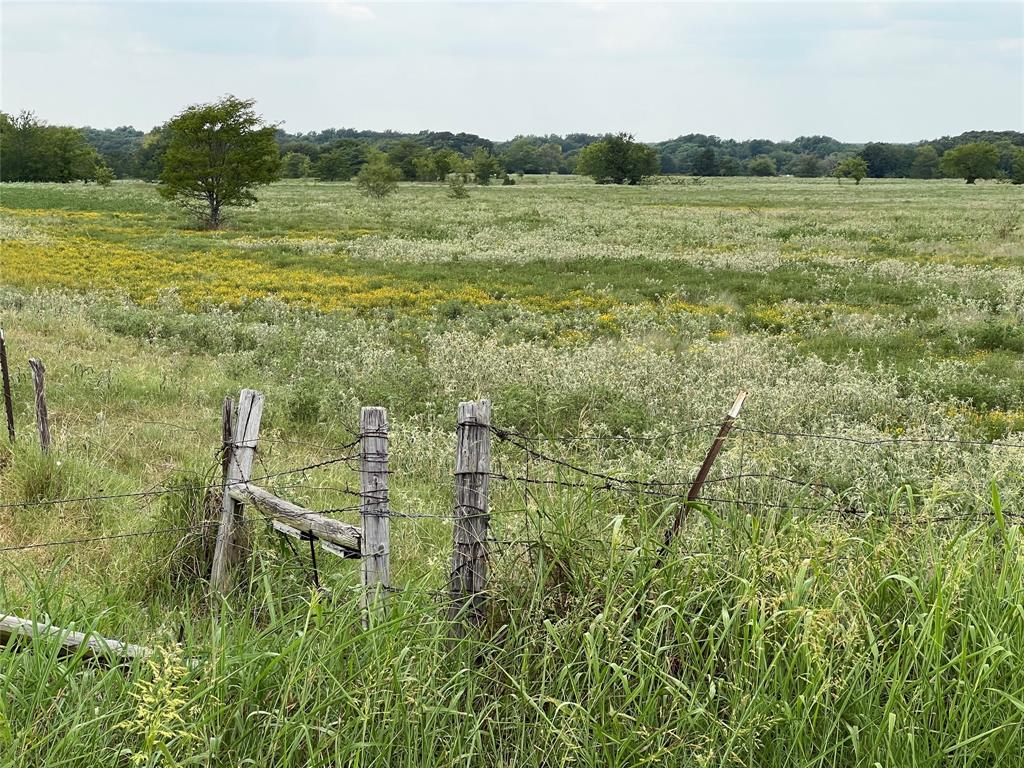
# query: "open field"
841, 602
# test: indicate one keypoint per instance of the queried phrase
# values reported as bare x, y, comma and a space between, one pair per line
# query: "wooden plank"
5, 376
42, 416
472, 516
91, 645
374, 507
336, 532
243, 452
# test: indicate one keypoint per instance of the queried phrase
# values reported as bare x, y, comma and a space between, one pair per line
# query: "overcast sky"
856, 71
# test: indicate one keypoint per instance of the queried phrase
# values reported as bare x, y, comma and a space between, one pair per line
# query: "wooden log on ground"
340, 534
91, 645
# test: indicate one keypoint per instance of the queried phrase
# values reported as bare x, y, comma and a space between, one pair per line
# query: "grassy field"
836, 602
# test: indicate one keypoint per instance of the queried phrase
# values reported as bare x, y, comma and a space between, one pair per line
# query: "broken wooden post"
374, 508
471, 519
5, 375
243, 451
42, 417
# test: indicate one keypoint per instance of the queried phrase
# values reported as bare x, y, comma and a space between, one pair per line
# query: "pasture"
850, 594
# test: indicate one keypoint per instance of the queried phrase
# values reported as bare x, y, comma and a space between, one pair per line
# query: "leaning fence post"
374, 508
702, 474
471, 519
239, 471
5, 374
42, 417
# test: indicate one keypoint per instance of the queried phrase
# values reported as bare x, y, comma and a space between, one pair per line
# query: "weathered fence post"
702, 474
5, 374
42, 417
374, 508
239, 471
469, 533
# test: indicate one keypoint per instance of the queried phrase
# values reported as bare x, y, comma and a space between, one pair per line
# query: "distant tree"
549, 157
333, 165
445, 161
403, 155
730, 166
762, 166
1017, 173
485, 166
118, 147
706, 163
217, 155
926, 163
342, 161
149, 161
618, 159
887, 160
806, 166
974, 161
457, 188
378, 178
295, 165
33, 151
855, 168
103, 174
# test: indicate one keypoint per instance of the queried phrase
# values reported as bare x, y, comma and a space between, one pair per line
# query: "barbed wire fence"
545, 465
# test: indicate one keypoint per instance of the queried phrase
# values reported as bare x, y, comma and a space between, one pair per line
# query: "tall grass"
775, 640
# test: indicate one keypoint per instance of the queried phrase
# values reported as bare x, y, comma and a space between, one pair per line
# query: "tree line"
34, 151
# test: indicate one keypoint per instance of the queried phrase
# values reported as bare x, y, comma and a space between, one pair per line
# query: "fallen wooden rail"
91, 645
341, 535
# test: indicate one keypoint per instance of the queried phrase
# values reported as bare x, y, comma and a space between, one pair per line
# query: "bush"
379, 178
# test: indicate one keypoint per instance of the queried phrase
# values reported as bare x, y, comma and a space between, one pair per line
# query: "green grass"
779, 633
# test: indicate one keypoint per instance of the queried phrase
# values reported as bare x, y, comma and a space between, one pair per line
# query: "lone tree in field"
978, 160
217, 154
617, 159
378, 177
855, 168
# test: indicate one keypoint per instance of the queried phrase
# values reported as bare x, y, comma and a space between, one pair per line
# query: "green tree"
855, 168
33, 151
150, 158
342, 161
217, 155
730, 166
104, 174
887, 160
806, 166
926, 163
403, 155
706, 163
977, 160
378, 178
484, 165
762, 166
295, 165
1017, 172
617, 159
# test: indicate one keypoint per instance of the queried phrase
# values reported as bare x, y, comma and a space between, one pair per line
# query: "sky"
857, 71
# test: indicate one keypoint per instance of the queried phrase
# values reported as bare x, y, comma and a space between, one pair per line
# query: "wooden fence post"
5, 374
42, 417
702, 475
469, 532
374, 508
239, 470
